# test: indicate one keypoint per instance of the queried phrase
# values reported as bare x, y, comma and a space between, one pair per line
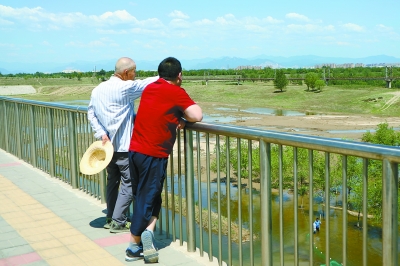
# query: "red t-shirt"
161, 106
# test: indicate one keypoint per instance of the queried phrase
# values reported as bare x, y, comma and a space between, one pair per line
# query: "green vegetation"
280, 81
384, 135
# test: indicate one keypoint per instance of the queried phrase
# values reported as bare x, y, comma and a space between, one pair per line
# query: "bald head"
124, 63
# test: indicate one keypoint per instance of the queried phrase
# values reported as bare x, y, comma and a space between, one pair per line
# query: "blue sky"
66, 31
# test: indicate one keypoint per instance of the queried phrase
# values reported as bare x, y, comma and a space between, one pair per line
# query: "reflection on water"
354, 237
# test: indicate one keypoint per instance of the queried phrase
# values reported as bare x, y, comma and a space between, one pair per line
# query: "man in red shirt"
164, 107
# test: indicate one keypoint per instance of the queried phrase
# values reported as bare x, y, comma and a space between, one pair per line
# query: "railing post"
189, 176
72, 149
5, 127
389, 206
32, 133
50, 142
18, 131
266, 206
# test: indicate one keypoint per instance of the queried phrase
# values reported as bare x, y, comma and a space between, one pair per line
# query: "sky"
67, 31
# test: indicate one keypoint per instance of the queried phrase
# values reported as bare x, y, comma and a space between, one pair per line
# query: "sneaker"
116, 228
108, 223
132, 256
149, 250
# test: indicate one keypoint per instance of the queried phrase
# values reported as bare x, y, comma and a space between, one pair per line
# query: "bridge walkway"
43, 221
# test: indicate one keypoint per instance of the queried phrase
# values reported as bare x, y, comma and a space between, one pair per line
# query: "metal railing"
238, 218
51, 137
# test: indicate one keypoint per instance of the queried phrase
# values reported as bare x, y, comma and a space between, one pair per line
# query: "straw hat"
96, 157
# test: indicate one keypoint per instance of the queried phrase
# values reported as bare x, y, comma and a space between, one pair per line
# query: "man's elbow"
194, 114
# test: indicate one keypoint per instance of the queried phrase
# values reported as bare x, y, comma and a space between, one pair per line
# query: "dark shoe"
116, 228
149, 250
108, 223
132, 256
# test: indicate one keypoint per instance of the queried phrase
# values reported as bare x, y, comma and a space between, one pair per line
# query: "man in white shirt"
111, 114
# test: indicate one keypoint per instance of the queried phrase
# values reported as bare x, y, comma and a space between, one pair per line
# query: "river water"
354, 234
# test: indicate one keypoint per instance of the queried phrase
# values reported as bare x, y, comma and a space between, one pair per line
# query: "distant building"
352, 65
248, 67
71, 71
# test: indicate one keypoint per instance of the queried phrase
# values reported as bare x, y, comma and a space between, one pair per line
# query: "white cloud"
178, 14
297, 17
103, 42
381, 27
304, 28
203, 22
179, 23
5, 22
353, 27
270, 19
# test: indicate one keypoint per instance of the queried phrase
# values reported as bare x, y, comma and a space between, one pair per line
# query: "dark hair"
169, 68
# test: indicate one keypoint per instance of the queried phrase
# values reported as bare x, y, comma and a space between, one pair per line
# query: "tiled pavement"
43, 221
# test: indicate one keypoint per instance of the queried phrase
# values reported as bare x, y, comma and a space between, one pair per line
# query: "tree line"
295, 76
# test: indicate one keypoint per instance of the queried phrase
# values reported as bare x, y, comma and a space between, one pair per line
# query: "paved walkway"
43, 221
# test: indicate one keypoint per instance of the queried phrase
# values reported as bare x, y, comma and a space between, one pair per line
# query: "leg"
125, 190
113, 180
150, 174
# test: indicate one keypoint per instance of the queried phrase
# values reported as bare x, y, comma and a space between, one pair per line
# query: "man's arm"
139, 85
193, 113
99, 130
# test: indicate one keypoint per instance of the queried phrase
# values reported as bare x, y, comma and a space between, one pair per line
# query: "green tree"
310, 80
319, 84
280, 81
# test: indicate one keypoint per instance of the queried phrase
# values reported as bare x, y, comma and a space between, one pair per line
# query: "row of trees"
311, 80
384, 135
296, 75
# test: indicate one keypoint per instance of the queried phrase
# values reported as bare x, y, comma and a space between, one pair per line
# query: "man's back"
161, 106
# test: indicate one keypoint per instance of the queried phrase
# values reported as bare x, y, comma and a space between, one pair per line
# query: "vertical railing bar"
199, 196
189, 177
327, 207
59, 149
390, 212
311, 204
79, 142
5, 127
166, 204
250, 165
32, 133
296, 206
344, 209
62, 149
239, 178
40, 135
228, 197
210, 246
50, 142
72, 145
365, 212
219, 201
281, 240
266, 206
180, 188
173, 223
18, 130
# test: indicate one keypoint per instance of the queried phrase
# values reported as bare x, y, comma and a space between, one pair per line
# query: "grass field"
354, 99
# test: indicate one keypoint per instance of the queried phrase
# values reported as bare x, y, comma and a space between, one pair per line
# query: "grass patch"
346, 99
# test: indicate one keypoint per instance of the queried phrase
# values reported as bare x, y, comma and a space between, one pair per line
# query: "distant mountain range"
205, 63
